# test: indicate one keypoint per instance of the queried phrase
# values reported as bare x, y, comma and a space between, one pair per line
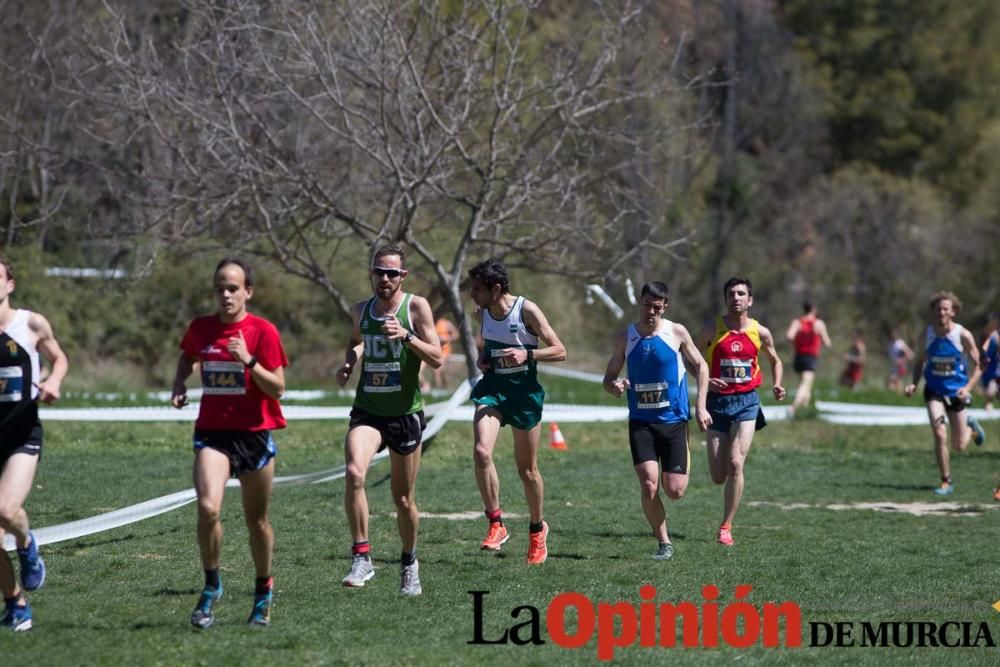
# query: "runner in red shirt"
242, 365
807, 333
733, 344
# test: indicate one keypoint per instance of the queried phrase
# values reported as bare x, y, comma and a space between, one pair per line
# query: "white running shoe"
361, 571
409, 579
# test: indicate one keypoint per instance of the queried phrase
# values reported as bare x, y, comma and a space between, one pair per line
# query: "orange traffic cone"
556, 439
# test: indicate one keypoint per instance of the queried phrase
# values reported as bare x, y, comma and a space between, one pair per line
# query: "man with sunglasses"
393, 332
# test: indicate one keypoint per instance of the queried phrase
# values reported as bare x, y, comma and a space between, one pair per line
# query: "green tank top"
390, 382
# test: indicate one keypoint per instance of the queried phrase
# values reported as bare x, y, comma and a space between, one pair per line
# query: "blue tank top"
656, 373
992, 359
945, 371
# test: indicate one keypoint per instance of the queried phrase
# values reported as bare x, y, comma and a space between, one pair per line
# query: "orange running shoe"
537, 550
496, 537
726, 537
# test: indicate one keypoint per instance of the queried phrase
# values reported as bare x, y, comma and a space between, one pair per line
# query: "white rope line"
450, 410
163, 504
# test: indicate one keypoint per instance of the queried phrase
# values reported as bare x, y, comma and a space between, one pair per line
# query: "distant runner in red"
855, 360
807, 333
242, 366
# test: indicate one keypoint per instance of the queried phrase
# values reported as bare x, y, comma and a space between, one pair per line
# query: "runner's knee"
649, 488
354, 476
674, 492
208, 511
483, 455
259, 523
8, 513
404, 503
529, 475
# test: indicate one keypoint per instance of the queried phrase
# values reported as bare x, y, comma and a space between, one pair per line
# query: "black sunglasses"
391, 273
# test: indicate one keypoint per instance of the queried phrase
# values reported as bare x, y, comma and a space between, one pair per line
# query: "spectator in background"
855, 360
990, 378
900, 355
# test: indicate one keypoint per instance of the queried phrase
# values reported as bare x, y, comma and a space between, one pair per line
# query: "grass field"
124, 596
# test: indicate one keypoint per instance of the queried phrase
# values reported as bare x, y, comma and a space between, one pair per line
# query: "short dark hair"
807, 307
491, 272
736, 280
236, 261
655, 289
389, 249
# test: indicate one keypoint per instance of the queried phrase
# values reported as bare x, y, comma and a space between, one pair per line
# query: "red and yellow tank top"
807, 341
733, 357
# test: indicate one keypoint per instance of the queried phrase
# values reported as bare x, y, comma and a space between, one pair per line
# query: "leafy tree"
909, 85
314, 131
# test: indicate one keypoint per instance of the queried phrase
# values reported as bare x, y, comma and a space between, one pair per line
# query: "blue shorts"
728, 409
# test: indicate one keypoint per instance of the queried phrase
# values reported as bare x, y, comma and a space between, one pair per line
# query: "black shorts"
22, 437
400, 434
656, 441
247, 451
951, 403
805, 362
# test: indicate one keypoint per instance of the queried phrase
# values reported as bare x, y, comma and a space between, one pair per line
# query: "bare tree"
312, 131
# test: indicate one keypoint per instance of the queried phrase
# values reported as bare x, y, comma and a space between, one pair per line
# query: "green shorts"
519, 406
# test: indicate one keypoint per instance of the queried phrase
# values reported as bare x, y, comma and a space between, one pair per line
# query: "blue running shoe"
978, 433
32, 566
261, 612
946, 489
203, 617
16, 618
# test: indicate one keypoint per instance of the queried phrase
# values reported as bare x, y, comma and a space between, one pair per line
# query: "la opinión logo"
650, 624
573, 620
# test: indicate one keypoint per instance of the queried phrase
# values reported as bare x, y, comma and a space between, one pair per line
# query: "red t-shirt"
231, 400
807, 341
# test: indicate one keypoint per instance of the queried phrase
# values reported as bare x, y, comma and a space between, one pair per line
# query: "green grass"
124, 596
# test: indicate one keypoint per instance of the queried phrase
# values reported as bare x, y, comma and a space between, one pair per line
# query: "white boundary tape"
157, 506
452, 409
856, 414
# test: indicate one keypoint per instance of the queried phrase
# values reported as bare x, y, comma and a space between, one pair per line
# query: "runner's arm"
823, 333
537, 323
611, 383
178, 394
425, 343
918, 372
48, 391
969, 345
355, 348
793, 329
699, 367
777, 370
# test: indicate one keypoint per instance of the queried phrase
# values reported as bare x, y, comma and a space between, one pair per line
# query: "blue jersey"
945, 368
658, 391
992, 360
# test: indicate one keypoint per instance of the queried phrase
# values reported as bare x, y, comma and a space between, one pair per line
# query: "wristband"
252, 362
531, 355
408, 337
